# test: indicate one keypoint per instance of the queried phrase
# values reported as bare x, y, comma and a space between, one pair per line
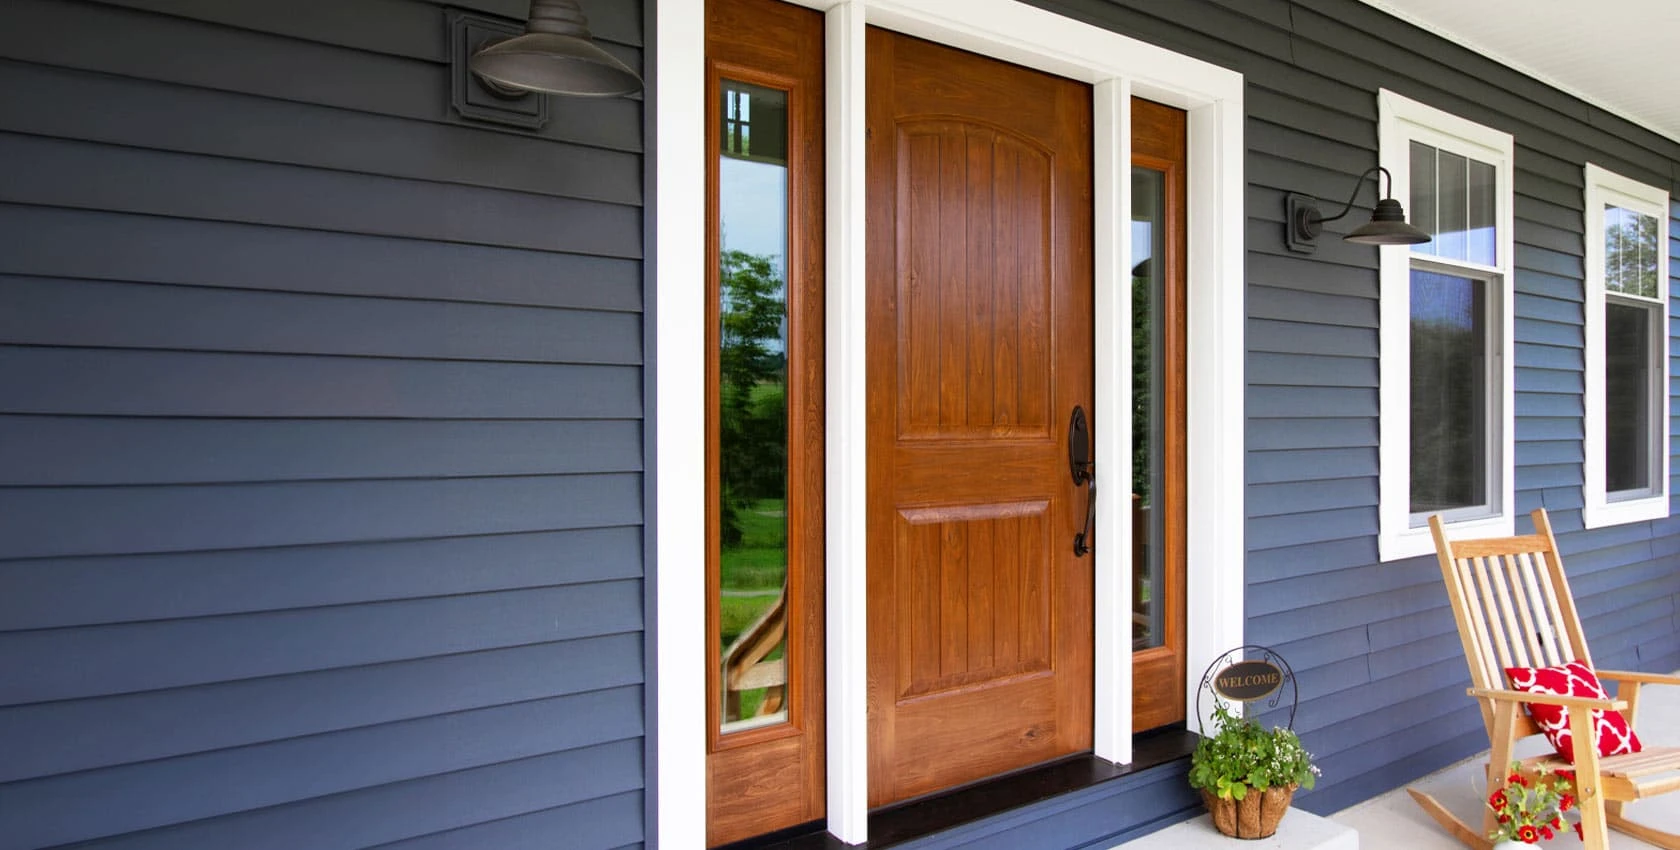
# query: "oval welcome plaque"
1247, 681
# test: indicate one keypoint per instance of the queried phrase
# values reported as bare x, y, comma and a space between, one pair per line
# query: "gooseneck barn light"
555, 55
1387, 225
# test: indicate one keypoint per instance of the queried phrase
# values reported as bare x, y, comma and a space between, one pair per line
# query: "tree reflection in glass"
752, 406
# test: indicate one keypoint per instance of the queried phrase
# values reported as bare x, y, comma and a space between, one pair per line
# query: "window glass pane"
1449, 393
752, 406
1423, 196
1455, 199
1627, 397
1482, 244
1148, 467
1452, 180
1631, 255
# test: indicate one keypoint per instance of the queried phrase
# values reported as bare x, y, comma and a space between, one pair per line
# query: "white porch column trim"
847, 621
1112, 304
680, 447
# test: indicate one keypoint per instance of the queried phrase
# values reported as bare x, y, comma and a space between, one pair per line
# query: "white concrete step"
1299, 830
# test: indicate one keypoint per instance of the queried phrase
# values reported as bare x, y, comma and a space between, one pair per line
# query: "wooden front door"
979, 349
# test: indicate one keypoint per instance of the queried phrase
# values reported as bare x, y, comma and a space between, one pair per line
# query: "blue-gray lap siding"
1381, 671
321, 456
321, 445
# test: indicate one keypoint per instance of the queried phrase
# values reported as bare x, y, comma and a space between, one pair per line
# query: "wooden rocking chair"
1514, 609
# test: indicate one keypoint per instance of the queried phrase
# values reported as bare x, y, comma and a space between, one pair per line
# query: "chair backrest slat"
1560, 636
1500, 624
1473, 627
1532, 627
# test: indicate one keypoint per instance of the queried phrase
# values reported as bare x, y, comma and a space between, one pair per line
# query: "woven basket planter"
1254, 816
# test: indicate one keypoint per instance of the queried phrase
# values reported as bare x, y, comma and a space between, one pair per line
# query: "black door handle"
1084, 471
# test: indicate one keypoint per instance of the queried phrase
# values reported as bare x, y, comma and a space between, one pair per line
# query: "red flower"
1497, 799
1557, 823
1546, 833
1527, 834
1504, 818
1516, 779
1565, 803
1578, 832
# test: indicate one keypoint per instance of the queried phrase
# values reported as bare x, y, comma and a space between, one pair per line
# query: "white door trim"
1118, 67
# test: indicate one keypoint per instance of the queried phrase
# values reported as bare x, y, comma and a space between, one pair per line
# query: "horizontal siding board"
87, 591
135, 657
1292, 497
126, 451
1277, 467
94, 314
1308, 338
1297, 273
1291, 109
158, 383
1278, 434
58, 521
45, 739
1272, 564
189, 788
141, 45
1264, 402
1310, 371
411, 809
150, 249
86, 175
1310, 527
404, 28
219, 124
1267, 302
1315, 589
604, 822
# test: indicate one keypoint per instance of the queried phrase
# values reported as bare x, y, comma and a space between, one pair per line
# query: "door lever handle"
1084, 471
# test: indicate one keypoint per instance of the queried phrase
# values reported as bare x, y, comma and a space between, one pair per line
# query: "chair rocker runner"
1513, 607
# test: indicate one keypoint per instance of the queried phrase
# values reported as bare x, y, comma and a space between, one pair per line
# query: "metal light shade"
1387, 227
1303, 222
555, 55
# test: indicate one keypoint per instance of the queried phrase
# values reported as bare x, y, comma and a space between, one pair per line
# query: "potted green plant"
1532, 810
1248, 774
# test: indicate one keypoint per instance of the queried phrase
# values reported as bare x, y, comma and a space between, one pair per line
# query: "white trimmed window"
1626, 462
1446, 330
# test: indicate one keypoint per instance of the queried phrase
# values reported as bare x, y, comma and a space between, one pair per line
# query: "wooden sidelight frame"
772, 777
1159, 135
1118, 67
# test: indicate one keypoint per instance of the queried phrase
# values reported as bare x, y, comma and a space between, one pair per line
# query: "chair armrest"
1549, 699
1641, 678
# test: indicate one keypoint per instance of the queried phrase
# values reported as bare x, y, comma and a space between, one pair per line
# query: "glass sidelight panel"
1148, 467
752, 411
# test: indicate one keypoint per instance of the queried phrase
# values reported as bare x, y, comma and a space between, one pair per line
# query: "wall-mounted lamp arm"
1358, 184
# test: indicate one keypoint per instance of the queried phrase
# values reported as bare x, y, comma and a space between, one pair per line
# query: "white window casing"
1601, 508
1402, 121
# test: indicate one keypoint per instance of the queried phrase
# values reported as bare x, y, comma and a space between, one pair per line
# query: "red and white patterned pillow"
1575, 679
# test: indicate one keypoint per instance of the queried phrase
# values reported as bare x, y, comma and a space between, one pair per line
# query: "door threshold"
906, 822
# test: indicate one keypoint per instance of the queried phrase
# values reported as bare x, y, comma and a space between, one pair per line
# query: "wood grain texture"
979, 620
773, 777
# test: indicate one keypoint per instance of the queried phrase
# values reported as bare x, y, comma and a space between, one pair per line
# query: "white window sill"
1598, 513
1413, 542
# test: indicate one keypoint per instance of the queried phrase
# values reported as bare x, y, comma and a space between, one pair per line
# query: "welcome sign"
1248, 674
1247, 681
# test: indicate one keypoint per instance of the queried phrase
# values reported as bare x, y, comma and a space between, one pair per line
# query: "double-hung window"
1446, 330
1626, 445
